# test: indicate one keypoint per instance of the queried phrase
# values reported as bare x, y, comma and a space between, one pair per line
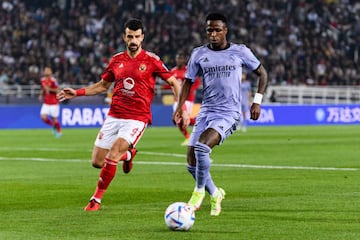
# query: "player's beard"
133, 48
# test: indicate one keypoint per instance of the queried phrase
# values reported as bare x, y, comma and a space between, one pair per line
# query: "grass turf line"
45, 200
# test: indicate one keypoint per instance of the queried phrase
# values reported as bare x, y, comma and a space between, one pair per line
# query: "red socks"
52, 123
106, 176
184, 132
57, 126
125, 156
48, 121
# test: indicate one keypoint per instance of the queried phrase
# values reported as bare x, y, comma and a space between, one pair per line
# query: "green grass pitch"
281, 183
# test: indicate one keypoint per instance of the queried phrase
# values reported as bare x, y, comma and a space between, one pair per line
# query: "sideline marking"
183, 164
88, 150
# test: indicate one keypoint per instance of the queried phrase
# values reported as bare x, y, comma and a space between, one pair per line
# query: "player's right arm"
94, 89
263, 78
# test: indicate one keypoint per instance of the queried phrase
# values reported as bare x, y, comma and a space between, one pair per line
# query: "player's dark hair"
216, 16
181, 53
134, 24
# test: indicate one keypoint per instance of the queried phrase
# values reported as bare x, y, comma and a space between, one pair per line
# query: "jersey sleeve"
108, 74
54, 83
192, 68
250, 60
161, 70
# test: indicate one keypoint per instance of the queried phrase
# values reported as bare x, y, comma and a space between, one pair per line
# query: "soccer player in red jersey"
179, 72
133, 72
50, 108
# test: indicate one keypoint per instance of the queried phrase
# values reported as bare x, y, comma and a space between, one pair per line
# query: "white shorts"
50, 110
189, 106
113, 128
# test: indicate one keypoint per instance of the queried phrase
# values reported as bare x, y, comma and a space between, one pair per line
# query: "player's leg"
54, 113
46, 119
44, 114
193, 164
186, 135
212, 136
189, 107
104, 140
98, 156
228, 127
107, 173
118, 136
57, 127
132, 133
244, 121
202, 150
210, 187
183, 130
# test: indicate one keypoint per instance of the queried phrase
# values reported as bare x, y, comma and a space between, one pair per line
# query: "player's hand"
181, 118
66, 93
176, 116
255, 111
185, 120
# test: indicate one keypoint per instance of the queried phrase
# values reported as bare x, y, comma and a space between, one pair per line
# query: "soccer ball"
179, 216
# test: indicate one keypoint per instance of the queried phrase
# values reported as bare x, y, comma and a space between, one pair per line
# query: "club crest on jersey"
142, 67
128, 83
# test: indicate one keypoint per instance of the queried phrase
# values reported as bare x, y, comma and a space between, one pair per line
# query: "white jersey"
222, 72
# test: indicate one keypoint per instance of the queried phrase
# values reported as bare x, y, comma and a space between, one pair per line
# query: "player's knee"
201, 148
97, 164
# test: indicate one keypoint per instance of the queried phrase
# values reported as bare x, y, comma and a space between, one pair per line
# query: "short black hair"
134, 24
216, 16
181, 53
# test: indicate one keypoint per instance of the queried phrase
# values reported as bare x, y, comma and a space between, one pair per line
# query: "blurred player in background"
179, 72
109, 94
50, 108
246, 96
133, 72
220, 63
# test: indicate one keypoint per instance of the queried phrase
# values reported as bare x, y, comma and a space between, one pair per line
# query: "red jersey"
134, 86
179, 74
49, 97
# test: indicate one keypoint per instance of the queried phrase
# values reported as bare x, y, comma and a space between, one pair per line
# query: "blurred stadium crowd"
300, 42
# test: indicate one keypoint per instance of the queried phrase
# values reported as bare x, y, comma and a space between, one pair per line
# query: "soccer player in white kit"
220, 63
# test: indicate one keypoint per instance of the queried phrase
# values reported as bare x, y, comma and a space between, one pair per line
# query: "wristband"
258, 98
80, 92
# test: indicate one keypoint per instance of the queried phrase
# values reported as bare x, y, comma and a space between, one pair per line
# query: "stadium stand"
300, 42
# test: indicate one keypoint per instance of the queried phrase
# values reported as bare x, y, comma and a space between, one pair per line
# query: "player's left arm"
91, 90
175, 86
263, 79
